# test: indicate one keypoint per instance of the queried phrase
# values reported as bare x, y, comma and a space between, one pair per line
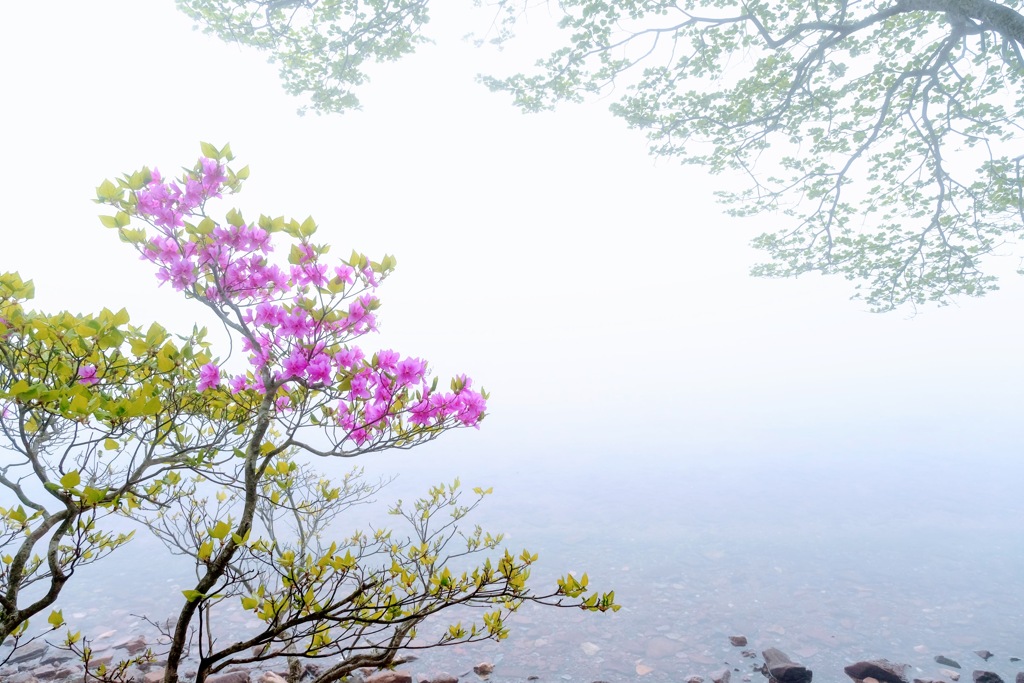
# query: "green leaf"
71, 479
234, 217
56, 618
220, 530
308, 227
209, 150
93, 496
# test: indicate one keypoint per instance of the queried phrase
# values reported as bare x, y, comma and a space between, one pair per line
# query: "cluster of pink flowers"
299, 320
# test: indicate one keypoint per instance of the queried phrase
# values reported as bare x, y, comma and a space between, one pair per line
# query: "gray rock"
45, 672
56, 656
232, 677
693, 679
950, 674
946, 661
1020, 677
928, 680
783, 669
738, 641
32, 651
986, 677
984, 654
720, 676
21, 677
880, 669
443, 677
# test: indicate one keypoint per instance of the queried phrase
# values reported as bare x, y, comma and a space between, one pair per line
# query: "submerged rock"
738, 641
25, 653
783, 669
946, 661
984, 654
880, 669
986, 677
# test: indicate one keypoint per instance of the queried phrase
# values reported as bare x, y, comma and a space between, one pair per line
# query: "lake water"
830, 559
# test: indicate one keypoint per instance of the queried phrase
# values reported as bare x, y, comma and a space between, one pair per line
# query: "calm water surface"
829, 559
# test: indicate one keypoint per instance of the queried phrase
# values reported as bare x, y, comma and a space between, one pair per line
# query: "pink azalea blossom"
319, 370
410, 371
359, 384
420, 413
295, 324
343, 273
374, 413
349, 358
87, 375
471, 407
209, 377
291, 332
387, 359
213, 177
295, 364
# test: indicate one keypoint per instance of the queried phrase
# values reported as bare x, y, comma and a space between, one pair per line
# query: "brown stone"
880, 669
396, 676
483, 669
738, 641
133, 645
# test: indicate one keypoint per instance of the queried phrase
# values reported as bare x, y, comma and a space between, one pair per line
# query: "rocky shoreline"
40, 662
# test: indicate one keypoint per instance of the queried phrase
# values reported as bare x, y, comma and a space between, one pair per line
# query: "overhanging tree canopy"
886, 135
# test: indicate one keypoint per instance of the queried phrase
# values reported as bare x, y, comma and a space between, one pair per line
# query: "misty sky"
597, 292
